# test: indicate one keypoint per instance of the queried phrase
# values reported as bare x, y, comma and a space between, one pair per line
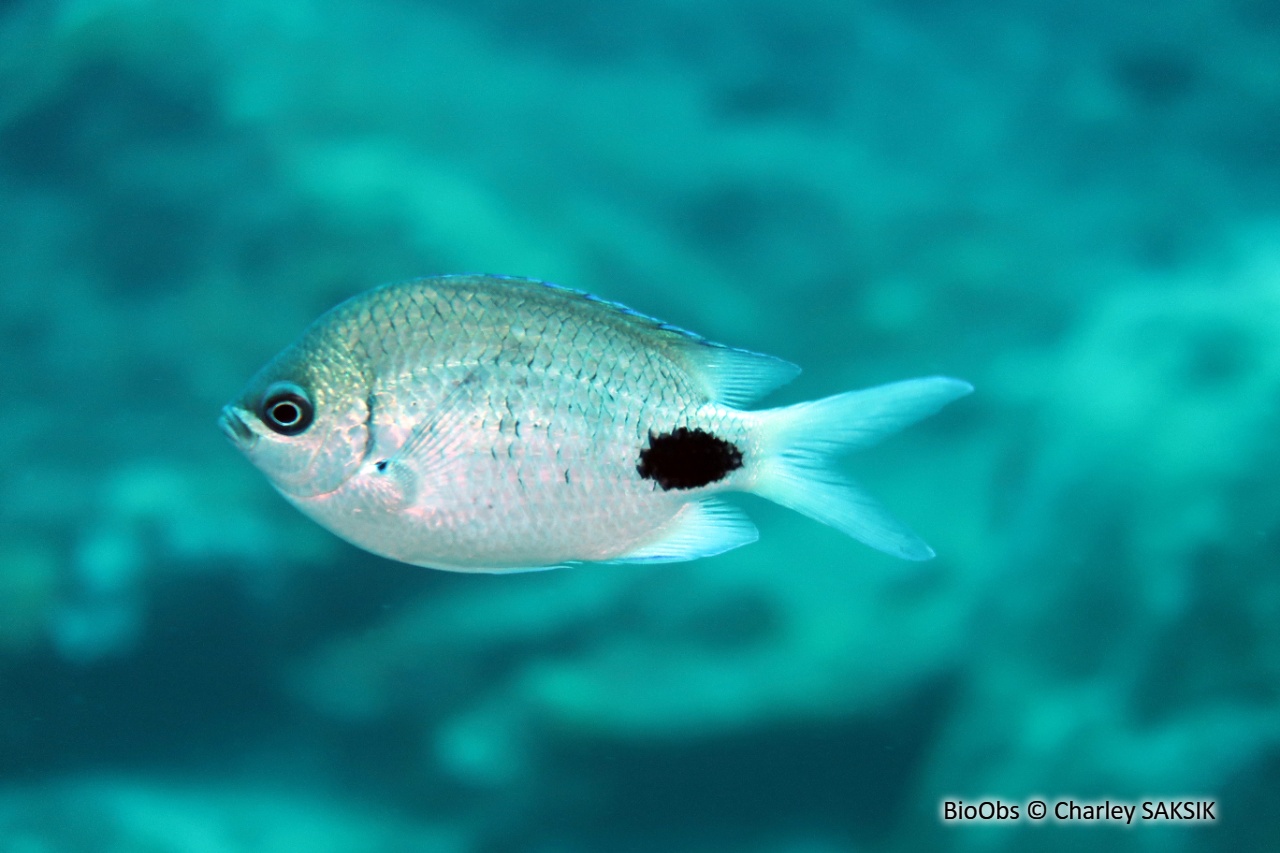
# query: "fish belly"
527, 473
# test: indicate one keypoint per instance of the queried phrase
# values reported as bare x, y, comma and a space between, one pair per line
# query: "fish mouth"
234, 428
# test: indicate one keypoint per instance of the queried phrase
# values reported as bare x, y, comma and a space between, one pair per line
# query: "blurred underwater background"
1073, 204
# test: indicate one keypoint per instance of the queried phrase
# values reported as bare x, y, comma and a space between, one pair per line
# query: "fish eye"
286, 409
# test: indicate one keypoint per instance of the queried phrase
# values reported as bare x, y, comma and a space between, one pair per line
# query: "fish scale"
483, 423
513, 359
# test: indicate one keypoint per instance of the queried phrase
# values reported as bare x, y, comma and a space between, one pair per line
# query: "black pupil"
286, 413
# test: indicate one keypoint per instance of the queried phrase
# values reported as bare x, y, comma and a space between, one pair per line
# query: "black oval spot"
687, 458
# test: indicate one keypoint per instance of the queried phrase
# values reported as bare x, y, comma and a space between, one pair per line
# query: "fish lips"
235, 429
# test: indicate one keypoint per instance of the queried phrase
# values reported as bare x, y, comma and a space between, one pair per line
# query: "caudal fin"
800, 442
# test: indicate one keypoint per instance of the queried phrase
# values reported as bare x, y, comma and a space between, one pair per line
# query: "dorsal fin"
735, 377
725, 374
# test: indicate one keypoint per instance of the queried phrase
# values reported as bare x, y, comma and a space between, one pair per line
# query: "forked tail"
801, 441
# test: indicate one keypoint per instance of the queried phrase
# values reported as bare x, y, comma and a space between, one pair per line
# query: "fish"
483, 423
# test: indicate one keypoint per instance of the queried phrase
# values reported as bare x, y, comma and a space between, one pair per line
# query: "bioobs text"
953, 810
1115, 812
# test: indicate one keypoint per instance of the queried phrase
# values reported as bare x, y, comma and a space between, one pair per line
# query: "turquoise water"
1073, 204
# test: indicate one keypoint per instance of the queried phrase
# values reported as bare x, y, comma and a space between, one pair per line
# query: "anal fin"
700, 529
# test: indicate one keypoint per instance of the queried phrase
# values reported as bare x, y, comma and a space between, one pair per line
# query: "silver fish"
492, 424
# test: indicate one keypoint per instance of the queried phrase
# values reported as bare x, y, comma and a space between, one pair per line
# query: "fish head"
303, 420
